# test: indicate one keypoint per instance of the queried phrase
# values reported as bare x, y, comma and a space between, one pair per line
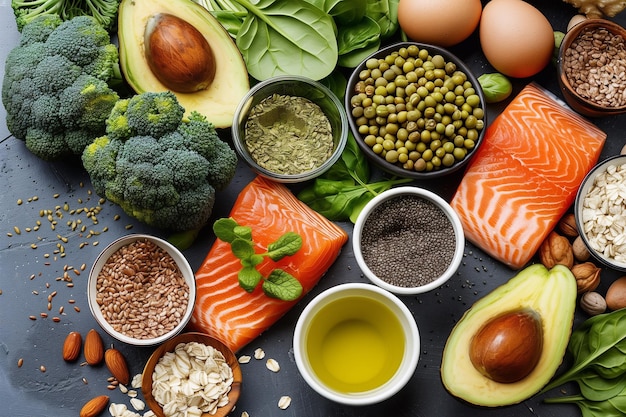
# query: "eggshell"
516, 38
616, 294
439, 22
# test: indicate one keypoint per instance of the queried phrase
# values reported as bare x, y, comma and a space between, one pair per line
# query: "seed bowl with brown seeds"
591, 66
141, 290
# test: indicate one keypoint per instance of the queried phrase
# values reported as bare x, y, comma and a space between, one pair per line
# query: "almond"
72, 345
94, 406
116, 363
94, 348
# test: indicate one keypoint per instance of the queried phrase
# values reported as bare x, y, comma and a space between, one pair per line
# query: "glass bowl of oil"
290, 128
356, 344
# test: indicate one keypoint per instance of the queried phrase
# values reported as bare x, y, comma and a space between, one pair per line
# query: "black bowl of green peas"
416, 110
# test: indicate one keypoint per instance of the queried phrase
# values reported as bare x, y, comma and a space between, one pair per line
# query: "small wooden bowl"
169, 346
577, 102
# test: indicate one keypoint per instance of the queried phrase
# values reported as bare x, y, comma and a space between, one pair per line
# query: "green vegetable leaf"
249, 277
224, 229
282, 285
242, 248
279, 284
385, 13
597, 388
359, 35
286, 245
287, 37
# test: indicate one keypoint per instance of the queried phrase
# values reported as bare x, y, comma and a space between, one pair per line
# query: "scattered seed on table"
284, 402
20, 362
42, 368
272, 365
244, 359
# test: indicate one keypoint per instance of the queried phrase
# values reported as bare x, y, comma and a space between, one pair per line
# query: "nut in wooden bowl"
219, 377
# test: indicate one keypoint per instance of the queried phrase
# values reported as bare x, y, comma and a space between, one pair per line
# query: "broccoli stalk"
158, 166
104, 11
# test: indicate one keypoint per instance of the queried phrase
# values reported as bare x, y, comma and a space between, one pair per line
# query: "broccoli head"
104, 11
58, 82
158, 166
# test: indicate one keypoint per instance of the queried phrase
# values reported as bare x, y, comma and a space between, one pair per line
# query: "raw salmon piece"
225, 310
525, 175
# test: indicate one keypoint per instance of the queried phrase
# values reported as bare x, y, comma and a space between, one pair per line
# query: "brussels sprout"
495, 86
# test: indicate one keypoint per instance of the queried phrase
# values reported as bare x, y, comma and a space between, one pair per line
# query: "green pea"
447, 160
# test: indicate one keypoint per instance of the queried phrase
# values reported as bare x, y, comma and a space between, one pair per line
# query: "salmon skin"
225, 310
525, 175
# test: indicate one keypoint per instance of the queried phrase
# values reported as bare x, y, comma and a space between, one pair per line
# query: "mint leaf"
224, 229
282, 285
249, 278
287, 244
241, 248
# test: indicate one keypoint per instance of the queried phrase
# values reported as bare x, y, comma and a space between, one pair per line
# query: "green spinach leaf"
287, 37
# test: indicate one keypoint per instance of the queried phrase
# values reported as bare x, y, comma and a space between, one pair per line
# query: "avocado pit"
508, 347
178, 54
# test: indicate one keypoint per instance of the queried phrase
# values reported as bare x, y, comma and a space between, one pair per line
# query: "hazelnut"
567, 226
587, 276
581, 253
616, 294
593, 303
556, 249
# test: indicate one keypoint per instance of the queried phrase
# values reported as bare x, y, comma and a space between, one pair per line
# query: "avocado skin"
551, 293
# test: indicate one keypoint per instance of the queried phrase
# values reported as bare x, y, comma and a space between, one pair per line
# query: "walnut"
567, 226
556, 249
593, 303
587, 276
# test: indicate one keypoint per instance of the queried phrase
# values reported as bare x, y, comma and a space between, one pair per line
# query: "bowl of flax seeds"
141, 290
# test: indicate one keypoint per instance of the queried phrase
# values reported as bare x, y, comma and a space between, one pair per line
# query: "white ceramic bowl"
583, 191
453, 218
101, 260
294, 86
336, 318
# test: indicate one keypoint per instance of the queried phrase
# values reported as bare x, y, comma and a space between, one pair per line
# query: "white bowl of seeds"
141, 290
408, 240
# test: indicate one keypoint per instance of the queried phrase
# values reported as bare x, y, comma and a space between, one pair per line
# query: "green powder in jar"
288, 134
408, 241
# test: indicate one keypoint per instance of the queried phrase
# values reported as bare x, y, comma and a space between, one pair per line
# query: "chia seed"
408, 241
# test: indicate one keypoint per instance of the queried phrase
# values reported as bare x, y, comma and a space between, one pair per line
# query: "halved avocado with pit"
216, 99
550, 294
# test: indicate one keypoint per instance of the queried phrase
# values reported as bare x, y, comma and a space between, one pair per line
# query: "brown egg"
508, 347
439, 22
516, 38
616, 294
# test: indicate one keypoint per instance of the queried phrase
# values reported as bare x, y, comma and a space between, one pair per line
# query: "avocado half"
549, 293
220, 99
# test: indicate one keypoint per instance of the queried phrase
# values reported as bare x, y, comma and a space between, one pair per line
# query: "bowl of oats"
192, 374
141, 290
600, 212
290, 129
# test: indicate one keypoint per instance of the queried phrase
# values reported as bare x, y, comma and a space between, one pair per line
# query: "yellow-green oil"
355, 344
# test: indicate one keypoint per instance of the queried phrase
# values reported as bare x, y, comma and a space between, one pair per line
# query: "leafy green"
279, 284
277, 37
343, 191
598, 347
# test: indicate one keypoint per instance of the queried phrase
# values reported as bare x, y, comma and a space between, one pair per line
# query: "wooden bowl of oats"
601, 214
192, 373
141, 290
591, 68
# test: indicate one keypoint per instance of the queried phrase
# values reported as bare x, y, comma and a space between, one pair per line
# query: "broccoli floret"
58, 80
159, 166
154, 114
104, 11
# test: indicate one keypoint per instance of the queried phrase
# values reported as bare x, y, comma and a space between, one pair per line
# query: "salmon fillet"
225, 310
525, 175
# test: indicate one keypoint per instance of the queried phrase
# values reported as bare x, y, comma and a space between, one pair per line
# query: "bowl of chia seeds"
290, 129
408, 240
